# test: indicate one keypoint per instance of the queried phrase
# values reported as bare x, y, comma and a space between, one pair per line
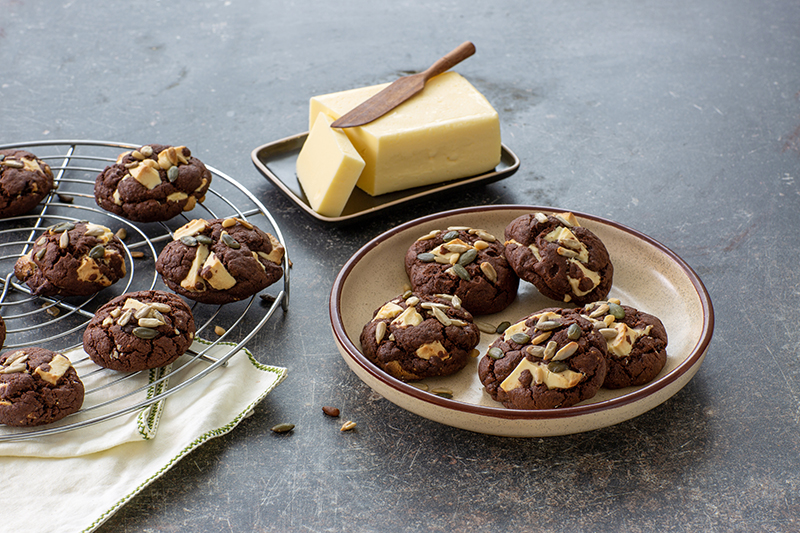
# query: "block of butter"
328, 167
448, 131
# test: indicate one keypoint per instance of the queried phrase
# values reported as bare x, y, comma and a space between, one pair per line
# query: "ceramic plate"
277, 160
647, 275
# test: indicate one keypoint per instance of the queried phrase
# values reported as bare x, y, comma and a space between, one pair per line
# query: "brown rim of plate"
520, 414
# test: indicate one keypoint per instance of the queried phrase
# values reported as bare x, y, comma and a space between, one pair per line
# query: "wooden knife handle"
452, 59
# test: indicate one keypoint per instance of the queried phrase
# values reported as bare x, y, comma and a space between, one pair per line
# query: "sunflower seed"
95, 231
380, 332
121, 234
489, 271
136, 154
132, 164
228, 222
420, 386
541, 337
566, 351
456, 301
412, 301
484, 235
330, 411
143, 311
600, 311
485, 327
125, 318
64, 226
162, 307
549, 350
38, 256
441, 317
17, 357
13, 163
566, 252
608, 333
150, 322
146, 150
347, 426
137, 255
430, 235
219, 330
480, 245
63, 241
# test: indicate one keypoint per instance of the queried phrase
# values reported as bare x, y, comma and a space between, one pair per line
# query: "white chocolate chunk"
389, 310
147, 174
193, 227
217, 275
407, 318
190, 283
541, 374
435, 348
58, 366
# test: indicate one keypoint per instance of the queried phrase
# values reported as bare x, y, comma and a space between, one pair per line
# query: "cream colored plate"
647, 276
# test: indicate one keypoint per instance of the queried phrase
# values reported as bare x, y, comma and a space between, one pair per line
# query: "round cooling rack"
57, 323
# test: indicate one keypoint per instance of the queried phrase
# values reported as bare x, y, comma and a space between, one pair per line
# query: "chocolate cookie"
155, 182
465, 262
72, 259
37, 387
413, 337
139, 330
24, 182
565, 261
553, 358
220, 261
637, 343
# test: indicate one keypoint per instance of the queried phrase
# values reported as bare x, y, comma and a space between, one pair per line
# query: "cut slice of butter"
328, 167
447, 131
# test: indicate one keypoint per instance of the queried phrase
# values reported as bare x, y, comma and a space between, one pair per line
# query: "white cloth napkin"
74, 481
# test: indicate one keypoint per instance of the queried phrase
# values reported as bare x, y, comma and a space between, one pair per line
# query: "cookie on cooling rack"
37, 386
419, 337
637, 342
220, 261
465, 262
139, 330
24, 181
154, 183
552, 358
72, 259
564, 260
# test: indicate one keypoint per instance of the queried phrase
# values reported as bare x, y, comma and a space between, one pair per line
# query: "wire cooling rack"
58, 323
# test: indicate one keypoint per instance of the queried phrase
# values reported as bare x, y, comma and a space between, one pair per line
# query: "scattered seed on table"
65, 198
330, 411
282, 428
121, 234
137, 255
347, 426
267, 298
219, 330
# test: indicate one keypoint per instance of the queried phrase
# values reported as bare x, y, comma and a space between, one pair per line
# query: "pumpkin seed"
616, 310
557, 366
495, 353
520, 338
420, 386
426, 257
98, 252
450, 235
468, 257
2, 156
461, 272
574, 332
444, 393
172, 174
547, 325
502, 327
65, 198
204, 239
145, 333
566, 351
229, 241
146, 150
188, 240
282, 428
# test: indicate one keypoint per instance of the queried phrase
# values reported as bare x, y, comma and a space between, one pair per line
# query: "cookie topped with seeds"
637, 342
552, 358
564, 260
413, 336
154, 183
464, 262
37, 386
24, 182
139, 330
220, 261
72, 259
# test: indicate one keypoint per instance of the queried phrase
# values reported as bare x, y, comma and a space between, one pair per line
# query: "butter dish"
277, 162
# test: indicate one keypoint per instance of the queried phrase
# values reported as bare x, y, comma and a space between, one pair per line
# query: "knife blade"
401, 90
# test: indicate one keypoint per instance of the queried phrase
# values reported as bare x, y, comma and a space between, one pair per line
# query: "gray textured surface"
680, 119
